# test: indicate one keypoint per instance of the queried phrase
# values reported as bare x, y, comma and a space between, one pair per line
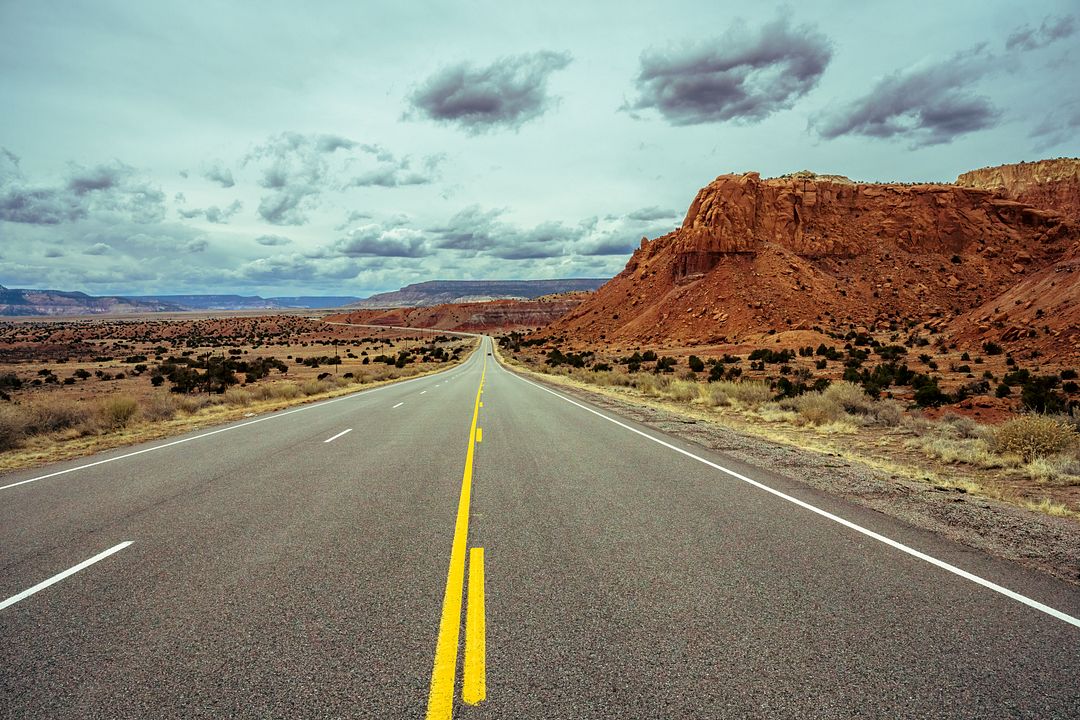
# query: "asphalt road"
280, 568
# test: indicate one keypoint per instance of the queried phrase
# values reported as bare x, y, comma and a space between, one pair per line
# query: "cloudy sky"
285, 148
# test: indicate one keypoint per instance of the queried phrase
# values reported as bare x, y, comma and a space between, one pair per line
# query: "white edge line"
397, 406
350, 396
835, 518
67, 573
343, 432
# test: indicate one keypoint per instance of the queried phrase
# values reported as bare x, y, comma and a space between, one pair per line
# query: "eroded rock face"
804, 251
1047, 184
829, 218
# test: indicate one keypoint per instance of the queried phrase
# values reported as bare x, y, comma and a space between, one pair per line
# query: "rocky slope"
1048, 184
441, 292
1040, 313
495, 315
754, 256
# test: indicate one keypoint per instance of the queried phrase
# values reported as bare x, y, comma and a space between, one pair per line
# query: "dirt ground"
120, 354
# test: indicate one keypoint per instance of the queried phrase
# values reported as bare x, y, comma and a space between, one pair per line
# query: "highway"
325, 562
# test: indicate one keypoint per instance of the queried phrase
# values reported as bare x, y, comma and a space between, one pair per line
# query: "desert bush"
713, 396
11, 427
159, 407
191, 404
959, 426
887, 413
116, 411
238, 396
682, 390
52, 415
1033, 436
652, 385
818, 408
750, 393
313, 387
850, 397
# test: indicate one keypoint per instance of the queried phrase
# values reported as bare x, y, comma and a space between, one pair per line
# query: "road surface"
325, 562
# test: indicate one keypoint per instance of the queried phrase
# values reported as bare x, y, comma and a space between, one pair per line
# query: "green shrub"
1034, 436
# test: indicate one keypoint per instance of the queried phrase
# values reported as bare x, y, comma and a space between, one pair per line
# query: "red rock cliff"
754, 255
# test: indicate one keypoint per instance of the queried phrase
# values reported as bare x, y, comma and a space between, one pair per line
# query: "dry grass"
1061, 470
50, 429
117, 411
1046, 506
970, 451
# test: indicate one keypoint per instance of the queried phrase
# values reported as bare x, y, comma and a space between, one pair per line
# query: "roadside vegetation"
70, 408
884, 413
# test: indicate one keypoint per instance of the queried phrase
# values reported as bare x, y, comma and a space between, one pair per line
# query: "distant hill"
249, 302
16, 302
441, 292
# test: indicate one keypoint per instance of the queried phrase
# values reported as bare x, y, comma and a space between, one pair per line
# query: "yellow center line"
474, 683
441, 696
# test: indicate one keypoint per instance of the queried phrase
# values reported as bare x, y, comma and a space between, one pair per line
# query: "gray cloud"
652, 212
213, 214
330, 143
1060, 125
97, 249
483, 231
1052, 29
400, 173
220, 174
294, 169
927, 105
506, 94
294, 268
375, 241
744, 75
272, 240
109, 190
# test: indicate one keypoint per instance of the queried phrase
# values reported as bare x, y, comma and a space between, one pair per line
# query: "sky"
348, 148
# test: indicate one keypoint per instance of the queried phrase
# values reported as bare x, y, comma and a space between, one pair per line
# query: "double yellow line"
441, 696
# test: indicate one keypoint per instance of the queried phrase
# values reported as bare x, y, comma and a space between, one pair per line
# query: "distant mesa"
441, 292
757, 255
27, 302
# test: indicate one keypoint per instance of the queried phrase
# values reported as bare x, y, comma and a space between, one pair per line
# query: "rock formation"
754, 256
1048, 184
